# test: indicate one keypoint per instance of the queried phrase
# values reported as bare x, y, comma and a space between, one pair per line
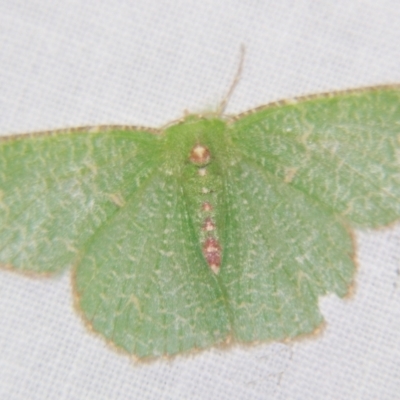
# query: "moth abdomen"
204, 185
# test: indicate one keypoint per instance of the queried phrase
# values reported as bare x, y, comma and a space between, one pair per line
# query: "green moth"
212, 230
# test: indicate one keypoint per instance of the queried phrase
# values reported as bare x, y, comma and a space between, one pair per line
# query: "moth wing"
308, 171
143, 282
58, 189
343, 150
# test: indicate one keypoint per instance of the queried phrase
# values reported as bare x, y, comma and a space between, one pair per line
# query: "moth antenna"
234, 83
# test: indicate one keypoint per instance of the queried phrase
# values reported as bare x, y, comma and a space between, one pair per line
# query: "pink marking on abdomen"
208, 225
206, 206
212, 254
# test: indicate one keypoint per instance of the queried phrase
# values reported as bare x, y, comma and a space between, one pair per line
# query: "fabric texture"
78, 63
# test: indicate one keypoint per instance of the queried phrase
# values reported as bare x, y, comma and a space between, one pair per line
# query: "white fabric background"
68, 63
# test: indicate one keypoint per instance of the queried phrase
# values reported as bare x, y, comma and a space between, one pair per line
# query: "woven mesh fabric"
73, 63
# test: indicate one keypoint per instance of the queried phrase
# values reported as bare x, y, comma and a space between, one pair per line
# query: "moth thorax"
200, 155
